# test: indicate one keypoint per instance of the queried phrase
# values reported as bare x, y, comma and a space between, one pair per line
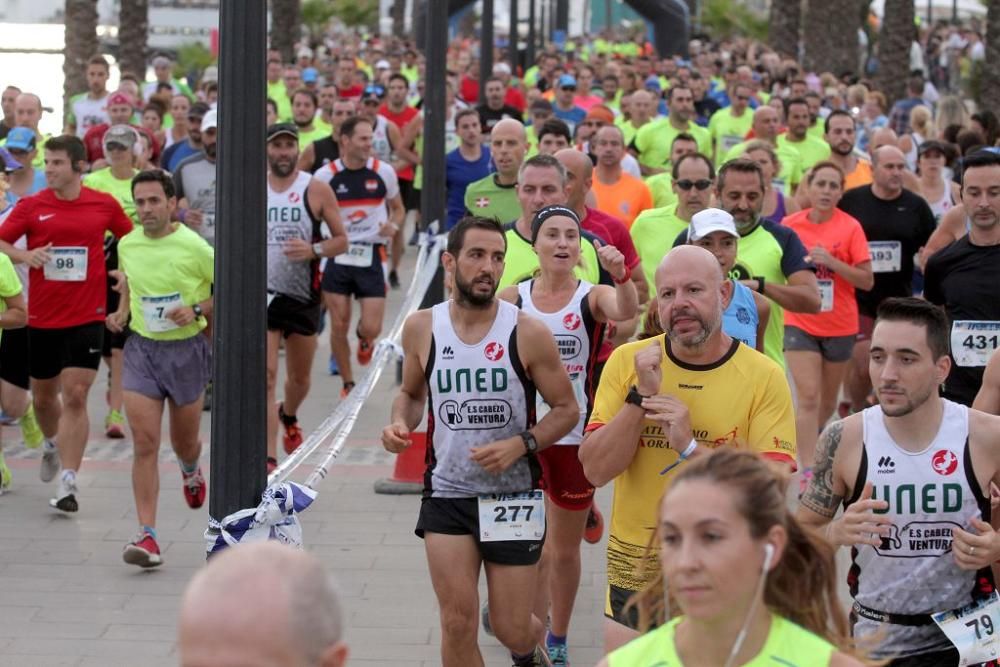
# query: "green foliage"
316, 15
356, 13
731, 18
192, 57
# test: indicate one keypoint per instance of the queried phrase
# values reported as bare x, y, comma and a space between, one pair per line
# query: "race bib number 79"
512, 516
973, 630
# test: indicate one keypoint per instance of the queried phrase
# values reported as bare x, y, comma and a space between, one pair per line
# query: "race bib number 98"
68, 263
973, 630
512, 516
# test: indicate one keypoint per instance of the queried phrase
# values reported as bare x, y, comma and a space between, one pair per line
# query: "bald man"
28, 113
766, 127
495, 196
657, 406
886, 137
258, 605
897, 223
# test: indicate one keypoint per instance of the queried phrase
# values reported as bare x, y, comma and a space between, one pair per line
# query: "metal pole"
607, 14
432, 197
532, 33
954, 12
485, 48
239, 414
562, 16
543, 36
515, 36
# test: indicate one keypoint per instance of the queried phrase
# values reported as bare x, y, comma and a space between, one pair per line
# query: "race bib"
68, 263
358, 254
887, 256
974, 341
579, 393
512, 516
730, 141
155, 309
973, 630
825, 295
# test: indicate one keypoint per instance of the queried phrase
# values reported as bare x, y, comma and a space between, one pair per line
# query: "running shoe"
272, 463
114, 425
50, 463
365, 349
558, 655
194, 488
142, 551
393, 279
7, 420
293, 432
65, 499
30, 430
334, 369
5, 476
346, 389
595, 526
540, 659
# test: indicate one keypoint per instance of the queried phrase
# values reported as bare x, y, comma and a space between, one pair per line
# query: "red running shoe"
194, 488
142, 551
595, 526
365, 351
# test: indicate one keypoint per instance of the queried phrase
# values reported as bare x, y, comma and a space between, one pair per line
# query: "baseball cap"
310, 75
8, 162
162, 61
118, 98
932, 146
567, 81
710, 220
382, 64
304, 52
210, 121
21, 139
279, 129
198, 110
211, 73
120, 134
540, 105
653, 83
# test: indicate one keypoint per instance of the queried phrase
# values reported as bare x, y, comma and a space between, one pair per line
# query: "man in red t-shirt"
65, 225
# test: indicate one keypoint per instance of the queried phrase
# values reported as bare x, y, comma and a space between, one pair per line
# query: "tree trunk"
398, 14
831, 36
133, 30
785, 20
286, 27
81, 44
894, 42
990, 86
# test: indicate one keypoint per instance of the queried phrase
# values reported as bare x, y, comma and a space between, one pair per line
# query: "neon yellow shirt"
653, 234
728, 130
488, 199
521, 262
811, 150
181, 263
653, 141
119, 188
10, 284
661, 186
276, 91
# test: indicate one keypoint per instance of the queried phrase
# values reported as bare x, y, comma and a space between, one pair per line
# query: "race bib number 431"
974, 341
973, 630
512, 516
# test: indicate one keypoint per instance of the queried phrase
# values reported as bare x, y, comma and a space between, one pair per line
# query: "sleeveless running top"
911, 155
578, 337
325, 151
913, 572
741, 318
779, 211
944, 203
289, 217
477, 394
362, 194
381, 145
787, 645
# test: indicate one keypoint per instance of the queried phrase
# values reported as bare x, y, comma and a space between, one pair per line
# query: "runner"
495, 196
65, 224
810, 149
818, 347
166, 277
192, 145
90, 108
13, 315
616, 192
298, 206
324, 151
730, 124
368, 195
653, 141
399, 113
482, 445
776, 205
727, 586
938, 190
665, 393
194, 182
964, 277
466, 164
661, 186
576, 313
912, 474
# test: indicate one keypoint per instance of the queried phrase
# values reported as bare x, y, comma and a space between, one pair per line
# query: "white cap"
382, 64
705, 222
211, 73
304, 52
210, 121
501, 68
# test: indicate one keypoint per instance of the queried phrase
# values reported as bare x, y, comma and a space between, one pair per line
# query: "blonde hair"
922, 121
950, 111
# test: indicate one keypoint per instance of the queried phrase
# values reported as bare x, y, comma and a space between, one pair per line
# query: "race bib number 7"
973, 630
155, 309
512, 516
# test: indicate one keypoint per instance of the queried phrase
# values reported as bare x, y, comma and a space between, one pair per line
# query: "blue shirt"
176, 153
459, 173
572, 118
741, 318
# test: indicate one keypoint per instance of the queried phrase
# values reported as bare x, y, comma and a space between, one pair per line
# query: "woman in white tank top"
940, 193
575, 311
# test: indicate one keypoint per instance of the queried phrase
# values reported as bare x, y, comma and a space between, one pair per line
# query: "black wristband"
760, 284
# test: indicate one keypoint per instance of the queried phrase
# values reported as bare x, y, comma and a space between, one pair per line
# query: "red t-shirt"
80, 223
843, 237
468, 90
352, 93
514, 98
400, 120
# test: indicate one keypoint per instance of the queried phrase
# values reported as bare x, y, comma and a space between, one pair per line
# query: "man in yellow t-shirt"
665, 400
729, 126
652, 142
13, 315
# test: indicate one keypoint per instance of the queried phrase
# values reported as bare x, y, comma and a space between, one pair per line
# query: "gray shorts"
834, 349
175, 369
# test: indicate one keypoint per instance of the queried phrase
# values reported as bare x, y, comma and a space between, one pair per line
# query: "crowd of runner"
651, 261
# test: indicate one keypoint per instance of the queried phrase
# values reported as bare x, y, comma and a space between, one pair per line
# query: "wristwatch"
318, 249
197, 310
530, 444
760, 284
634, 397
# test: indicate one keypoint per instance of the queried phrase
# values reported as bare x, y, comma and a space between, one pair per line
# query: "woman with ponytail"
745, 584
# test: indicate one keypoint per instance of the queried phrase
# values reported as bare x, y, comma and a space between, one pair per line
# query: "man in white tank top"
914, 474
477, 362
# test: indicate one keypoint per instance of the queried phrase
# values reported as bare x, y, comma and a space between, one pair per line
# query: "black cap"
932, 145
198, 110
278, 129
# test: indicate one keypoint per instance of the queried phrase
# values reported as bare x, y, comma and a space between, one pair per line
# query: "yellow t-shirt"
811, 150
743, 400
661, 186
653, 234
10, 284
119, 188
158, 271
655, 139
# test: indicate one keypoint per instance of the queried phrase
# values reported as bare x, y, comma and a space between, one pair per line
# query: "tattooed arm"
826, 490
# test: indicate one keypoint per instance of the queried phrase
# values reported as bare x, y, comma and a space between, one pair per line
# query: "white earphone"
768, 556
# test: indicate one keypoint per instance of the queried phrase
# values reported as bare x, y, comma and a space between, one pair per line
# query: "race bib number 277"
512, 516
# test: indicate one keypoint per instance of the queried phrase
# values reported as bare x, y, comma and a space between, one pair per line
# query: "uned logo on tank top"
493, 351
572, 321
944, 462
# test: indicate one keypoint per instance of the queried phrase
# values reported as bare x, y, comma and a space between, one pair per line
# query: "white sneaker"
50, 463
65, 499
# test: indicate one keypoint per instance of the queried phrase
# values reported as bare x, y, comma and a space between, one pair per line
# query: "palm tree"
990, 86
785, 19
286, 27
133, 29
831, 36
894, 40
81, 44
398, 14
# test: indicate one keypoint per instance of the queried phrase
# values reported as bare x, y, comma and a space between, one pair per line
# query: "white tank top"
944, 203
381, 146
289, 217
913, 571
477, 394
578, 336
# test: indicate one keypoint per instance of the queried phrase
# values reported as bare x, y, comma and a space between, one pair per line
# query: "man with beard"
840, 136
933, 553
327, 149
194, 182
297, 207
182, 150
304, 105
658, 405
477, 363
810, 149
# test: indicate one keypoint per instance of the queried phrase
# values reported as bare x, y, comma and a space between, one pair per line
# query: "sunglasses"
700, 184
569, 88
743, 98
